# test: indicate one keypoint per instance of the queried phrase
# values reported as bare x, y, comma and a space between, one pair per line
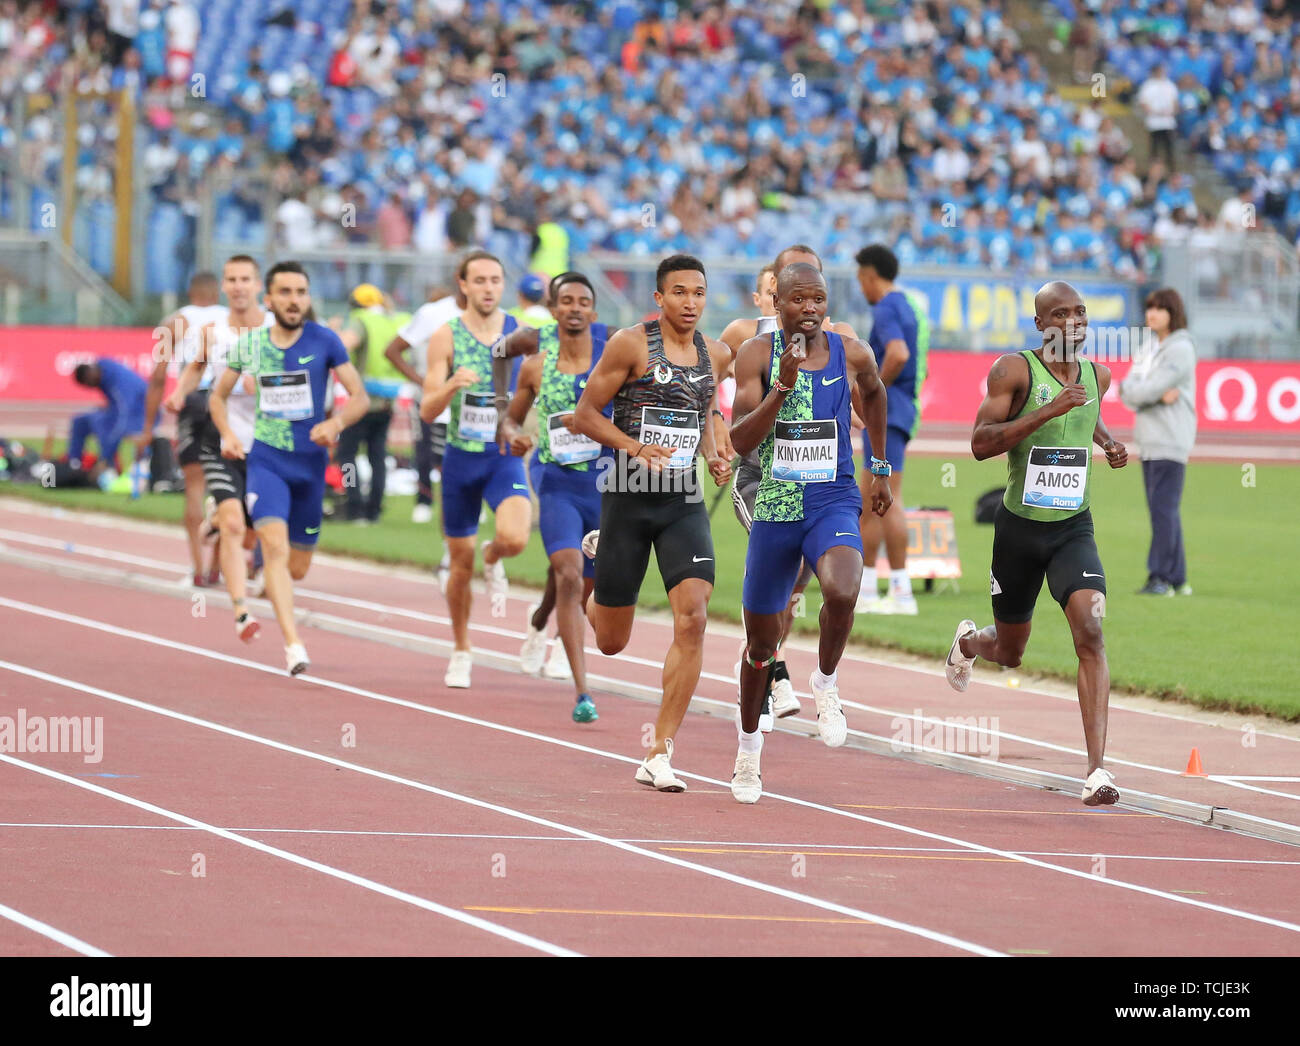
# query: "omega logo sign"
1282, 398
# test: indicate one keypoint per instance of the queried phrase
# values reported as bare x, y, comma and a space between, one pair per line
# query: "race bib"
678, 430
286, 395
806, 451
569, 448
1056, 477
478, 417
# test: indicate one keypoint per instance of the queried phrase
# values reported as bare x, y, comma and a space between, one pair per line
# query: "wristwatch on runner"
880, 468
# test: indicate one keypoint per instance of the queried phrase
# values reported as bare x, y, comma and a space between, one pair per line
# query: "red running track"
368, 810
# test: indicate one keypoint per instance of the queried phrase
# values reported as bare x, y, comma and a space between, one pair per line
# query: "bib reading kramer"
477, 417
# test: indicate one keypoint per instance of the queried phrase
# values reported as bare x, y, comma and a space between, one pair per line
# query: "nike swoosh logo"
313, 530
698, 377
701, 559
306, 359
520, 486
842, 534
1086, 574
832, 381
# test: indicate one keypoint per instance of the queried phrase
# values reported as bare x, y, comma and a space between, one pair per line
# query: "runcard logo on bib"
569, 448
805, 451
285, 395
478, 417
678, 430
1056, 477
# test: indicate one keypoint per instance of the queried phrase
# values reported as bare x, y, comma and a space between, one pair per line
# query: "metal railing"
42, 281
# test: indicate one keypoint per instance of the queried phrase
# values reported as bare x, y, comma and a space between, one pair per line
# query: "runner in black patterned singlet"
662, 379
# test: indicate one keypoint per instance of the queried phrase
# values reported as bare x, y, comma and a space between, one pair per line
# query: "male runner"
894, 339
227, 477
525, 342
794, 398
662, 378
474, 469
291, 362
567, 493
175, 342
780, 701
1043, 410
431, 443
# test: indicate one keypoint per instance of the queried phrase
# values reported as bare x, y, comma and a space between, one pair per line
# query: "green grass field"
1225, 646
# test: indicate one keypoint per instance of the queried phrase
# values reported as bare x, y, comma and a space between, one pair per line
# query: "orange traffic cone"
1194, 765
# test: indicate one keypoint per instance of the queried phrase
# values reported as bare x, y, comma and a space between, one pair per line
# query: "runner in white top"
169, 338
432, 438
226, 477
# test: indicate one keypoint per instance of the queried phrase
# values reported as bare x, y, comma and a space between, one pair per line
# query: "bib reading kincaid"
556, 400
1049, 470
473, 409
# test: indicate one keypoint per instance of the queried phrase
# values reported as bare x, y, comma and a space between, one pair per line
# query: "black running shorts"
1026, 550
744, 489
630, 524
192, 425
226, 478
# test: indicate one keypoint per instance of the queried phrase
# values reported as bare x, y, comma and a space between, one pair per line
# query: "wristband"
880, 468
640, 447
720, 414
776, 384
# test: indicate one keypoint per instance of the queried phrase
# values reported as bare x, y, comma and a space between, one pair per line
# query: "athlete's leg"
230, 520
1084, 610
543, 612
299, 561
689, 600
621, 562
195, 489
566, 567
839, 571
274, 535
459, 596
514, 517
762, 636
1002, 643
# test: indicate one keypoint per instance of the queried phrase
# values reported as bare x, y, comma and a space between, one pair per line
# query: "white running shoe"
458, 669
444, 570
746, 781
498, 587
533, 652
1099, 789
831, 724
295, 659
255, 587
958, 666
784, 702
589, 542
557, 665
657, 772
867, 602
246, 627
904, 605
422, 514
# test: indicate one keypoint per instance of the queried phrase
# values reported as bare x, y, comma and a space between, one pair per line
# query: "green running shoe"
585, 710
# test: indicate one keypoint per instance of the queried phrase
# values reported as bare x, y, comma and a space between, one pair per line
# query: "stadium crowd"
651, 127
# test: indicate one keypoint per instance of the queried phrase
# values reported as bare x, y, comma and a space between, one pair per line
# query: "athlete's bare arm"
1116, 452
523, 341
440, 385
625, 359
754, 414
735, 335
230, 445
996, 431
395, 352
326, 433
861, 362
509, 435
167, 339
716, 439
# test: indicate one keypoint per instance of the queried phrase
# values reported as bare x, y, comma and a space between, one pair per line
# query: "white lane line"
560, 742
305, 862
407, 575
716, 873
810, 847
434, 619
76, 944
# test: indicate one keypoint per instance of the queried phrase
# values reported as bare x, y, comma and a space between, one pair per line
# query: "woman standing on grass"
1161, 390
